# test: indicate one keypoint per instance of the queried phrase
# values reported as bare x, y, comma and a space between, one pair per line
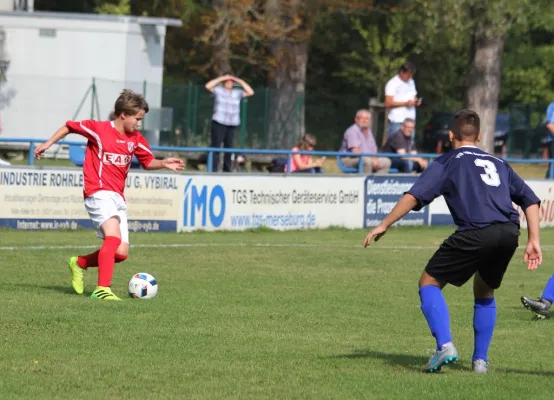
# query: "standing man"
358, 138
550, 136
226, 116
401, 98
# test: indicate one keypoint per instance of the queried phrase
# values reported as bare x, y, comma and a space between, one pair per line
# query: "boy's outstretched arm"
56, 137
532, 255
406, 204
174, 164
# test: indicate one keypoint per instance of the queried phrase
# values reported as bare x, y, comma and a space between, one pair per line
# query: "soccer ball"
143, 286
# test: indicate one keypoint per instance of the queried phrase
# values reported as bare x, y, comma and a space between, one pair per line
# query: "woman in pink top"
303, 162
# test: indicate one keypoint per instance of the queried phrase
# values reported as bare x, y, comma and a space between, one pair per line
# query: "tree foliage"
119, 7
347, 50
385, 48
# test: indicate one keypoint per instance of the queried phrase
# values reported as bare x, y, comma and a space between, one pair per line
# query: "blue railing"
288, 153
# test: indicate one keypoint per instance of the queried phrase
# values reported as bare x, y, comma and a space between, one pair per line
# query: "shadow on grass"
53, 288
416, 363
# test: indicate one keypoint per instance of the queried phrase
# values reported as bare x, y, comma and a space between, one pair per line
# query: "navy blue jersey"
478, 188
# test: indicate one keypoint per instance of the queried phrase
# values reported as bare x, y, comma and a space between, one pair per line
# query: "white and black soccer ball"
143, 286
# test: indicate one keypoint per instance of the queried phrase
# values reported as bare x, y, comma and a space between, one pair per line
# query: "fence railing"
288, 153
181, 113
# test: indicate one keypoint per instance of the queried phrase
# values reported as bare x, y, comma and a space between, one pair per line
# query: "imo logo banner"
381, 193
204, 205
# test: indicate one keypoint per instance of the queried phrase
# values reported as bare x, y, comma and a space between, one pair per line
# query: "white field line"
192, 245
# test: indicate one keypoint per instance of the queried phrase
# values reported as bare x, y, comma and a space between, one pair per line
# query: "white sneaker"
480, 366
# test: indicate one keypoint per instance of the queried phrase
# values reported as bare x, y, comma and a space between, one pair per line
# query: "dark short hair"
407, 67
466, 125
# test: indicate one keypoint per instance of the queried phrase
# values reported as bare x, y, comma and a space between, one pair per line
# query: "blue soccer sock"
548, 293
435, 310
484, 320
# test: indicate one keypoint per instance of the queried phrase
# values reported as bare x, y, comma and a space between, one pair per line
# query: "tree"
221, 39
291, 24
274, 36
380, 42
119, 7
385, 49
528, 71
186, 55
483, 91
493, 20
288, 77
487, 23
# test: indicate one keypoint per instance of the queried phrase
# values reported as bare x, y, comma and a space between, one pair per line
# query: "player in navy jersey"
479, 189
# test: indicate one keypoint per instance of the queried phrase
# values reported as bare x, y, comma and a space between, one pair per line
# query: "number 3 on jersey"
490, 177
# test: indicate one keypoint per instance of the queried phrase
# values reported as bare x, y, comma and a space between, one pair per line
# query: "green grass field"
257, 315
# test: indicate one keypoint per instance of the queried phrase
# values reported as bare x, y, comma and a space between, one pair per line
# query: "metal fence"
266, 126
210, 151
181, 114
528, 132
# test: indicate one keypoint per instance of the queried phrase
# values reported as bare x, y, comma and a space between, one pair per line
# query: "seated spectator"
358, 138
401, 143
303, 162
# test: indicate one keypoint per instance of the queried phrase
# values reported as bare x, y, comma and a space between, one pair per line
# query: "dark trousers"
314, 170
225, 134
405, 166
550, 155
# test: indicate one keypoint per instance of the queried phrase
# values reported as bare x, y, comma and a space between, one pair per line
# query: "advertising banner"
32, 199
544, 189
276, 202
440, 214
381, 193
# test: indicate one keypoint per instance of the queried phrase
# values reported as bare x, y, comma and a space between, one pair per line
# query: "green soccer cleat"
76, 275
448, 354
104, 293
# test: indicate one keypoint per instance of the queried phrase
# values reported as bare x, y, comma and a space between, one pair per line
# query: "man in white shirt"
401, 98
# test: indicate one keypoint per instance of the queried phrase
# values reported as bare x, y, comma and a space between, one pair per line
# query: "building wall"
6, 5
53, 59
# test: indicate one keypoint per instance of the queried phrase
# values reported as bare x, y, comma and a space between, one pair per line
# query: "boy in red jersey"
110, 149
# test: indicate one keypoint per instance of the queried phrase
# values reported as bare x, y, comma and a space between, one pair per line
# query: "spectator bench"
350, 170
258, 162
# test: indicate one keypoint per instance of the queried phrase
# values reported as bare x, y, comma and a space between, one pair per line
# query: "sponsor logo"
381, 195
120, 160
204, 205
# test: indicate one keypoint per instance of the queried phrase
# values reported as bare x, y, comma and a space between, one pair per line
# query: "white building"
50, 61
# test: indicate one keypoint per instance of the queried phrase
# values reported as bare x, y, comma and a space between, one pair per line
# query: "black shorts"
487, 251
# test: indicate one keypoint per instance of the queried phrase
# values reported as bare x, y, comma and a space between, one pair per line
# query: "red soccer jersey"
109, 154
